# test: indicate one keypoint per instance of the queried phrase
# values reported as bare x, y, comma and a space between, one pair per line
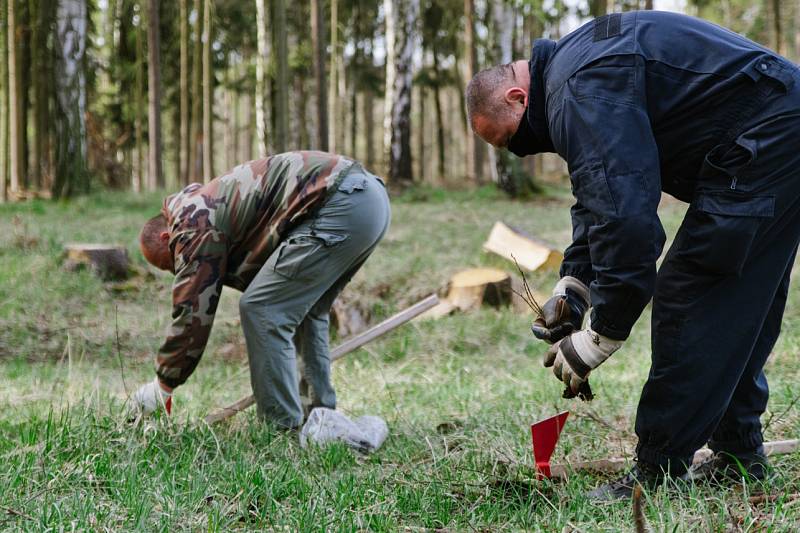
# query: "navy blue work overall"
644, 102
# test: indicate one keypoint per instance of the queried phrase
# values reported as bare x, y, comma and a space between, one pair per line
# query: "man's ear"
164, 236
516, 95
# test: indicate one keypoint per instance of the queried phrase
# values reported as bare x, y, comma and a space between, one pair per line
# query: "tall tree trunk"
43, 91
246, 143
71, 176
406, 15
368, 116
648, 4
261, 80
3, 100
797, 31
208, 97
333, 88
437, 102
598, 8
420, 155
155, 175
23, 83
183, 150
139, 111
321, 87
282, 77
475, 147
14, 111
196, 134
391, 74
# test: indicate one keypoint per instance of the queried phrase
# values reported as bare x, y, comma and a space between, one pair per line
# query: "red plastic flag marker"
545, 435
168, 405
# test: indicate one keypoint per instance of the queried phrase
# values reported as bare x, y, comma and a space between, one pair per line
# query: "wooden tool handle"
340, 351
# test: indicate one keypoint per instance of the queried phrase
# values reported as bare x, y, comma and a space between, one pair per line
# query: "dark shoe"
648, 476
724, 468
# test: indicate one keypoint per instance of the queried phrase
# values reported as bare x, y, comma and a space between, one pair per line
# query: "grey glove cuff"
575, 285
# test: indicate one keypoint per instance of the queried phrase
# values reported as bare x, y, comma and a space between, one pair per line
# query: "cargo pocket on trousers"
299, 254
724, 229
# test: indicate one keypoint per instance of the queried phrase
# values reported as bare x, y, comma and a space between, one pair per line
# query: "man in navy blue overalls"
643, 102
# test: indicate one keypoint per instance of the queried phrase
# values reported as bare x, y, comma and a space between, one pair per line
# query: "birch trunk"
388, 102
71, 176
261, 67
406, 15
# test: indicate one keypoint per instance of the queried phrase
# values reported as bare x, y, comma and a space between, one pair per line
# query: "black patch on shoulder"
607, 26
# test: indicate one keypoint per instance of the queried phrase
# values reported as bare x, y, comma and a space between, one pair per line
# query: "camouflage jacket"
222, 233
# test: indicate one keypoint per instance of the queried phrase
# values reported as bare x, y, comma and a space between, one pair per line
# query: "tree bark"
474, 144
139, 111
797, 31
369, 133
71, 176
391, 73
282, 77
196, 133
777, 30
321, 86
421, 136
3, 100
183, 150
208, 96
333, 88
261, 83
23, 84
13, 103
437, 102
406, 15
155, 174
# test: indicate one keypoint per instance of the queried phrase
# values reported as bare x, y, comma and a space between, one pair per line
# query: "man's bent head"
496, 101
154, 242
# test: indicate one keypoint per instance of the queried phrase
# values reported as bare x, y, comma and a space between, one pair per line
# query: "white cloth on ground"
366, 434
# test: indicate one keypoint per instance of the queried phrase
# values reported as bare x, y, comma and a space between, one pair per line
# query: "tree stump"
470, 289
108, 262
528, 251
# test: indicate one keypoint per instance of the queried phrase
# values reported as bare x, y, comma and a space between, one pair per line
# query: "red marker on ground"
545, 435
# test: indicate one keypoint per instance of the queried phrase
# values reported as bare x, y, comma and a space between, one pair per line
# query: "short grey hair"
482, 91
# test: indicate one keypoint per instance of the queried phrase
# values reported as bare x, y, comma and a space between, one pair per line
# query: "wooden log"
470, 289
347, 318
531, 253
618, 464
108, 262
340, 351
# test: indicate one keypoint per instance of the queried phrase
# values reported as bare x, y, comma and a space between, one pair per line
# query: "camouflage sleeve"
200, 260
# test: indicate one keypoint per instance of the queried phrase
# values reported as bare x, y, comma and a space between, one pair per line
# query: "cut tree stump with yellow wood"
108, 262
530, 253
470, 289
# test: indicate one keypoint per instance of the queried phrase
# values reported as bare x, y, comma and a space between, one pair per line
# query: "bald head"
496, 100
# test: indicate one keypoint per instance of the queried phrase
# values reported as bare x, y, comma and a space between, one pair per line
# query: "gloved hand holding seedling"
556, 321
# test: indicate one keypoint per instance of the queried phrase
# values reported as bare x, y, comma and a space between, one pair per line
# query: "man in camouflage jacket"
289, 231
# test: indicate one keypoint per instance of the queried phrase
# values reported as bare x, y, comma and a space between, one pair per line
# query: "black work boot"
724, 468
644, 474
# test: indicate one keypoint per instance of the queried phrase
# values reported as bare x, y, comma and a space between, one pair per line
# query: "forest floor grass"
459, 395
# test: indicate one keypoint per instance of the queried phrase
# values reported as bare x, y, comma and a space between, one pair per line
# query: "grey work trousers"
286, 308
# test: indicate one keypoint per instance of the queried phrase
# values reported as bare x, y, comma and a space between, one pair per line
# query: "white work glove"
151, 397
574, 357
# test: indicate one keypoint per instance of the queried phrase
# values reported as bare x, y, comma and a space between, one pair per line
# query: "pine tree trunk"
437, 102
3, 100
368, 116
155, 175
261, 81
474, 145
282, 77
208, 96
71, 175
406, 15
183, 150
321, 87
196, 133
13, 103
139, 111
797, 31
23, 83
333, 88
420, 155
391, 73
